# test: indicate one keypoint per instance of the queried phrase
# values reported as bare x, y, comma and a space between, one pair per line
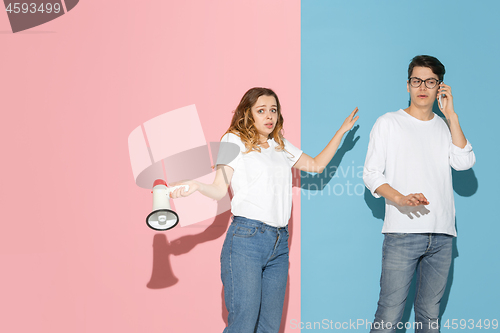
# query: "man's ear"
408, 86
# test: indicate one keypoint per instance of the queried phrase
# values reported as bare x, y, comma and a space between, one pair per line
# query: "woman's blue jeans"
430, 255
254, 271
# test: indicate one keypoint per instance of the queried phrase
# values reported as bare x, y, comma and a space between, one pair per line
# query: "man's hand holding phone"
445, 100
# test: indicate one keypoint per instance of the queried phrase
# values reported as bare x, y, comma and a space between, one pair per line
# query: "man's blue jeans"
430, 255
254, 271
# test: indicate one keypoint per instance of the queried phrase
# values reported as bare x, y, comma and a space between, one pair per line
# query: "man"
408, 163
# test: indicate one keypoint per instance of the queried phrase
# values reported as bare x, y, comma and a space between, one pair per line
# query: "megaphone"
162, 216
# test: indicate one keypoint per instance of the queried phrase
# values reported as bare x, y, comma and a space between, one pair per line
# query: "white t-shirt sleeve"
230, 150
373, 171
462, 158
292, 153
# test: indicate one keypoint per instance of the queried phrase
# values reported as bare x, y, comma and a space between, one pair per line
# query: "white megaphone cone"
162, 217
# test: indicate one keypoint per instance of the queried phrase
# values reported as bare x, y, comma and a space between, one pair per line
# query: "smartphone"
441, 100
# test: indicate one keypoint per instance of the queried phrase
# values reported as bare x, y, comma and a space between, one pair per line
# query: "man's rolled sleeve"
373, 171
462, 158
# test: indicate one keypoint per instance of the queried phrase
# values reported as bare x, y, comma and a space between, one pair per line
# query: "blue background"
356, 53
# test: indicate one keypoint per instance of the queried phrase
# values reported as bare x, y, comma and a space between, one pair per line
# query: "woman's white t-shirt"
262, 182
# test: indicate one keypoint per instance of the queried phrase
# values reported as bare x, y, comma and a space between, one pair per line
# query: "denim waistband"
256, 223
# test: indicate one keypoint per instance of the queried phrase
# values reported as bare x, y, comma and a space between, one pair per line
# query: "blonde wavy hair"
242, 123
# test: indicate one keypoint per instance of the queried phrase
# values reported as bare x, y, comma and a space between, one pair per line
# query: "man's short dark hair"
427, 61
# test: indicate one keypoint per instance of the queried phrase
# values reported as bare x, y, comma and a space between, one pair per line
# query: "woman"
254, 259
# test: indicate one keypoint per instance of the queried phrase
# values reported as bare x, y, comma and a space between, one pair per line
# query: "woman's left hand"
349, 122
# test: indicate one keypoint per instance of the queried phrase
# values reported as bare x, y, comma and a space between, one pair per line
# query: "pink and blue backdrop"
75, 252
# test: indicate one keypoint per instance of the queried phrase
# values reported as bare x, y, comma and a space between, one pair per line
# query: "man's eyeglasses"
415, 82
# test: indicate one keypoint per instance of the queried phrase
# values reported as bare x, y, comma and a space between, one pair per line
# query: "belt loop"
262, 228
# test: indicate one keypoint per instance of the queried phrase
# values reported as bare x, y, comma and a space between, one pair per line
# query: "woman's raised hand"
349, 122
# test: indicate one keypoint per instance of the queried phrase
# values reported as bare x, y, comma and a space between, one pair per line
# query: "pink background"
75, 252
